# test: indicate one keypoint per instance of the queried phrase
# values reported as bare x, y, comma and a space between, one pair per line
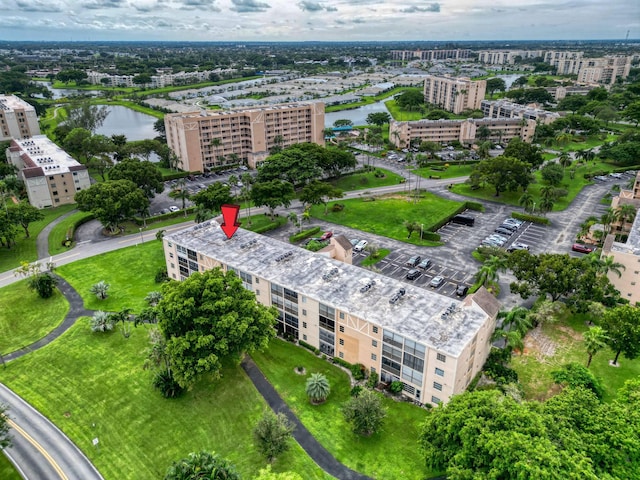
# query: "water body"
67, 92
124, 121
510, 78
357, 115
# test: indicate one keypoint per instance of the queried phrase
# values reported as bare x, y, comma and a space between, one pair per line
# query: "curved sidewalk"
42, 240
309, 444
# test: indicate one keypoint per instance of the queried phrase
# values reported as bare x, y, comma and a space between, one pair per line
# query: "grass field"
453, 171
25, 249
25, 317
383, 252
400, 114
362, 181
573, 187
390, 454
64, 230
7, 470
130, 272
385, 215
93, 386
534, 369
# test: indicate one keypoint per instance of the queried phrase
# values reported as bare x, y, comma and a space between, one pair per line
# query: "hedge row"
304, 234
165, 216
478, 207
309, 347
531, 218
270, 226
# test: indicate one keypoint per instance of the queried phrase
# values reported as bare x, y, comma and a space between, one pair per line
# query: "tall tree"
365, 412
378, 118
143, 173
84, 115
503, 173
316, 193
272, 194
24, 214
622, 324
213, 197
272, 434
209, 318
495, 84
595, 339
5, 437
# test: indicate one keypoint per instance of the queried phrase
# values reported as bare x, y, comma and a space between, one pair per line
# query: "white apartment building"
454, 94
506, 57
566, 62
431, 55
18, 119
434, 344
50, 175
211, 138
463, 131
506, 109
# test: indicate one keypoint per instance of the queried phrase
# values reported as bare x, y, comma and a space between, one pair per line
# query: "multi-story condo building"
454, 94
560, 92
50, 175
605, 70
506, 109
566, 63
210, 138
463, 131
433, 344
430, 55
18, 119
507, 57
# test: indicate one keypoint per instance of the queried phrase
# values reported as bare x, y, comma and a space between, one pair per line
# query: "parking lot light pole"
141, 238
421, 230
534, 208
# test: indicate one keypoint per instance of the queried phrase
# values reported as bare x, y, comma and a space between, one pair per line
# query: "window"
170, 254
341, 329
435, 400
342, 341
374, 343
304, 312
375, 329
441, 358
341, 315
373, 369
439, 372
304, 324
173, 265
304, 337
341, 355
257, 280
257, 292
437, 386
55, 192
374, 356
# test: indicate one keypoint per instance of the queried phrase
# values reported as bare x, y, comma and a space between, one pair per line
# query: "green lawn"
130, 272
363, 181
64, 230
534, 370
573, 187
93, 385
400, 114
25, 248
370, 260
25, 317
385, 215
392, 453
7, 470
586, 144
453, 171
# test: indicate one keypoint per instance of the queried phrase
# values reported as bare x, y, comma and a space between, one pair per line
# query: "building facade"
433, 344
605, 70
507, 57
454, 94
211, 138
430, 55
463, 131
51, 177
18, 119
507, 109
566, 62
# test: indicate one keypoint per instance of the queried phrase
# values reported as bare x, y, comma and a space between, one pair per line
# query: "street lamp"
141, 237
421, 230
534, 207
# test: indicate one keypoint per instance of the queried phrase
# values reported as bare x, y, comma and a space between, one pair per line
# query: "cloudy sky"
328, 20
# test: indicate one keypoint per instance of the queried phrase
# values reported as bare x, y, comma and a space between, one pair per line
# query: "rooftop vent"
284, 256
330, 274
367, 286
249, 244
449, 311
397, 296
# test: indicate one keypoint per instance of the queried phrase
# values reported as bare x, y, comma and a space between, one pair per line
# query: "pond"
66, 92
357, 115
124, 121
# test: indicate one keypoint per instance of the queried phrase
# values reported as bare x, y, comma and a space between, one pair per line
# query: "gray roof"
633, 241
422, 315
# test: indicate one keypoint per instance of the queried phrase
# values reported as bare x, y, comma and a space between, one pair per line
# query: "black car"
413, 261
461, 290
413, 274
503, 231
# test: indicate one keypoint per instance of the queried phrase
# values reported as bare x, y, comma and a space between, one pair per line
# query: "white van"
360, 246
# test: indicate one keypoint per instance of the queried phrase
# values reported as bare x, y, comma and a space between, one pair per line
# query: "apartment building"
507, 57
433, 344
627, 254
211, 138
560, 92
18, 119
566, 62
51, 177
454, 94
430, 55
605, 70
463, 131
507, 109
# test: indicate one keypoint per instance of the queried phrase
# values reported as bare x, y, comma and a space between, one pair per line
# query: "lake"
124, 121
357, 115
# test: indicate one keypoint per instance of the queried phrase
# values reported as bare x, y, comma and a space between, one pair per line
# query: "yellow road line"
68, 256
38, 447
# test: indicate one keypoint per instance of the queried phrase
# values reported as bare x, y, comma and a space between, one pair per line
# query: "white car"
360, 246
173, 208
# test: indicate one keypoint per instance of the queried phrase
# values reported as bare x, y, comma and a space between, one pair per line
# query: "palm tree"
609, 264
546, 311
181, 193
488, 273
203, 214
247, 181
215, 143
546, 204
317, 388
153, 298
607, 218
625, 214
513, 340
526, 201
564, 138
594, 340
517, 319
100, 289
564, 160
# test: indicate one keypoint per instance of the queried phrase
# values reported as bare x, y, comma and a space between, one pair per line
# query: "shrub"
317, 388
162, 275
304, 234
102, 322
337, 207
268, 227
100, 289
475, 206
395, 387
576, 375
358, 371
365, 412
307, 346
372, 381
355, 391
44, 284
531, 218
168, 386
272, 434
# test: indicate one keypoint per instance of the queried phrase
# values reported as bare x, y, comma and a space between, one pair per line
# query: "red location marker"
230, 219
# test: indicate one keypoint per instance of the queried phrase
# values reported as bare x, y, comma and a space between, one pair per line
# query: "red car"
326, 236
579, 247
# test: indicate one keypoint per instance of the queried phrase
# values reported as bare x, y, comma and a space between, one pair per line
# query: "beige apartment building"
50, 175
566, 62
506, 57
454, 94
463, 131
18, 119
506, 109
212, 138
605, 70
430, 55
434, 344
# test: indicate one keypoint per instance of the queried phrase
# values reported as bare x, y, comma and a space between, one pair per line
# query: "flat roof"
40, 152
263, 108
11, 102
632, 244
439, 322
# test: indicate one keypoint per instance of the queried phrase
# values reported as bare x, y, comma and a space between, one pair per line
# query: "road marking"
38, 447
68, 256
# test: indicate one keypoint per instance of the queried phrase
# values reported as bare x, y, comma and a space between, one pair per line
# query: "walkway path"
42, 242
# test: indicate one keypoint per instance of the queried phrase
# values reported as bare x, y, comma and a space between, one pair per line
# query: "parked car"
360, 246
513, 221
354, 242
579, 247
173, 208
461, 290
503, 231
424, 264
413, 274
509, 226
326, 236
517, 246
436, 281
413, 261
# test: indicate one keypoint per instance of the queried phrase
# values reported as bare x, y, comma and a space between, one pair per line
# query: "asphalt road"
40, 450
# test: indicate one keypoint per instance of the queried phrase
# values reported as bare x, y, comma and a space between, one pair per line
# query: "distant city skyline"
324, 20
